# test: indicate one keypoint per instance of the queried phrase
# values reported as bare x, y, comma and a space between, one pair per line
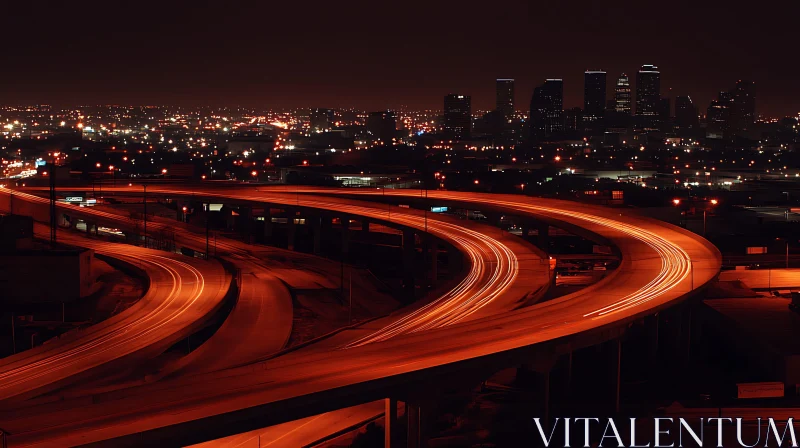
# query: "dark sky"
385, 54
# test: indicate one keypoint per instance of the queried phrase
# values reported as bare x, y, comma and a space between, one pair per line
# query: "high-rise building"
321, 119
718, 116
594, 95
574, 119
648, 91
505, 97
457, 116
382, 125
686, 116
743, 106
547, 109
622, 94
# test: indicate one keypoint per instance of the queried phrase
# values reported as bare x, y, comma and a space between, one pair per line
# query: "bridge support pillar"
651, 325
433, 248
616, 370
365, 239
408, 262
345, 224
534, 377
526, 229
416, 430
267, 223
316, 229
292, 228
543, 239
390, 423
246, 219
365, 227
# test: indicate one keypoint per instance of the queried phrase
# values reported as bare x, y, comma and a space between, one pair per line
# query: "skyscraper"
594, 95
743, 106
457, 116
685, 112
505, 97
718, 116
648, 90
547, 109
622, 94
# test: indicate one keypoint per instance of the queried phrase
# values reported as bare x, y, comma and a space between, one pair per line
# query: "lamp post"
713, 202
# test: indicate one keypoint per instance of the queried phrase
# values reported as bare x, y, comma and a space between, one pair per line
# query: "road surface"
660, 264
183, 293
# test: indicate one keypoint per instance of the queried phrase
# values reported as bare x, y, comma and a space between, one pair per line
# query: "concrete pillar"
415, 429
433, 247
267, 223
88, 228
409, 250
685, 335
651, 327
453, 260
543, 240
316, 229
365, 239
526, 229
246, 219
390, 423
616, 366
292, 228
345, 224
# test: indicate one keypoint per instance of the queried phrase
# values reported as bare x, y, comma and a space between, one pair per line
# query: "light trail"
178, 298
676, 264
493, 266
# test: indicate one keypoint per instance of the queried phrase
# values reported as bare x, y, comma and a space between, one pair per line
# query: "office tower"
664, 112
743, 106
505, 97
718, 116
547, 106
622, 95
594, 95
648, 91
382, 125
321, 119
457, 116
685, 112
574, 119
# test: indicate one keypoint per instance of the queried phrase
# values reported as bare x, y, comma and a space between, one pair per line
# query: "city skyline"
242, 56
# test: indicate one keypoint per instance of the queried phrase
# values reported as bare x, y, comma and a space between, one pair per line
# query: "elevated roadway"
182, 293
661, 264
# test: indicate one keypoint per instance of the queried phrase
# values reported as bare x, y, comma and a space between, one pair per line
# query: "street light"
713, 203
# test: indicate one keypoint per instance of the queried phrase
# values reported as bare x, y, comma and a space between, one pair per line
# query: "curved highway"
660, 264
180, 296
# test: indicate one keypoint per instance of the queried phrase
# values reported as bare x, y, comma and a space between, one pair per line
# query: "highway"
660, 264
181, 295
486, 289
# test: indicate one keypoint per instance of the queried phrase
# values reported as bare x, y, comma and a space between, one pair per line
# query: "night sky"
385, 54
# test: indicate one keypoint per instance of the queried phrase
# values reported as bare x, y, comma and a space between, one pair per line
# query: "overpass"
661, 265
